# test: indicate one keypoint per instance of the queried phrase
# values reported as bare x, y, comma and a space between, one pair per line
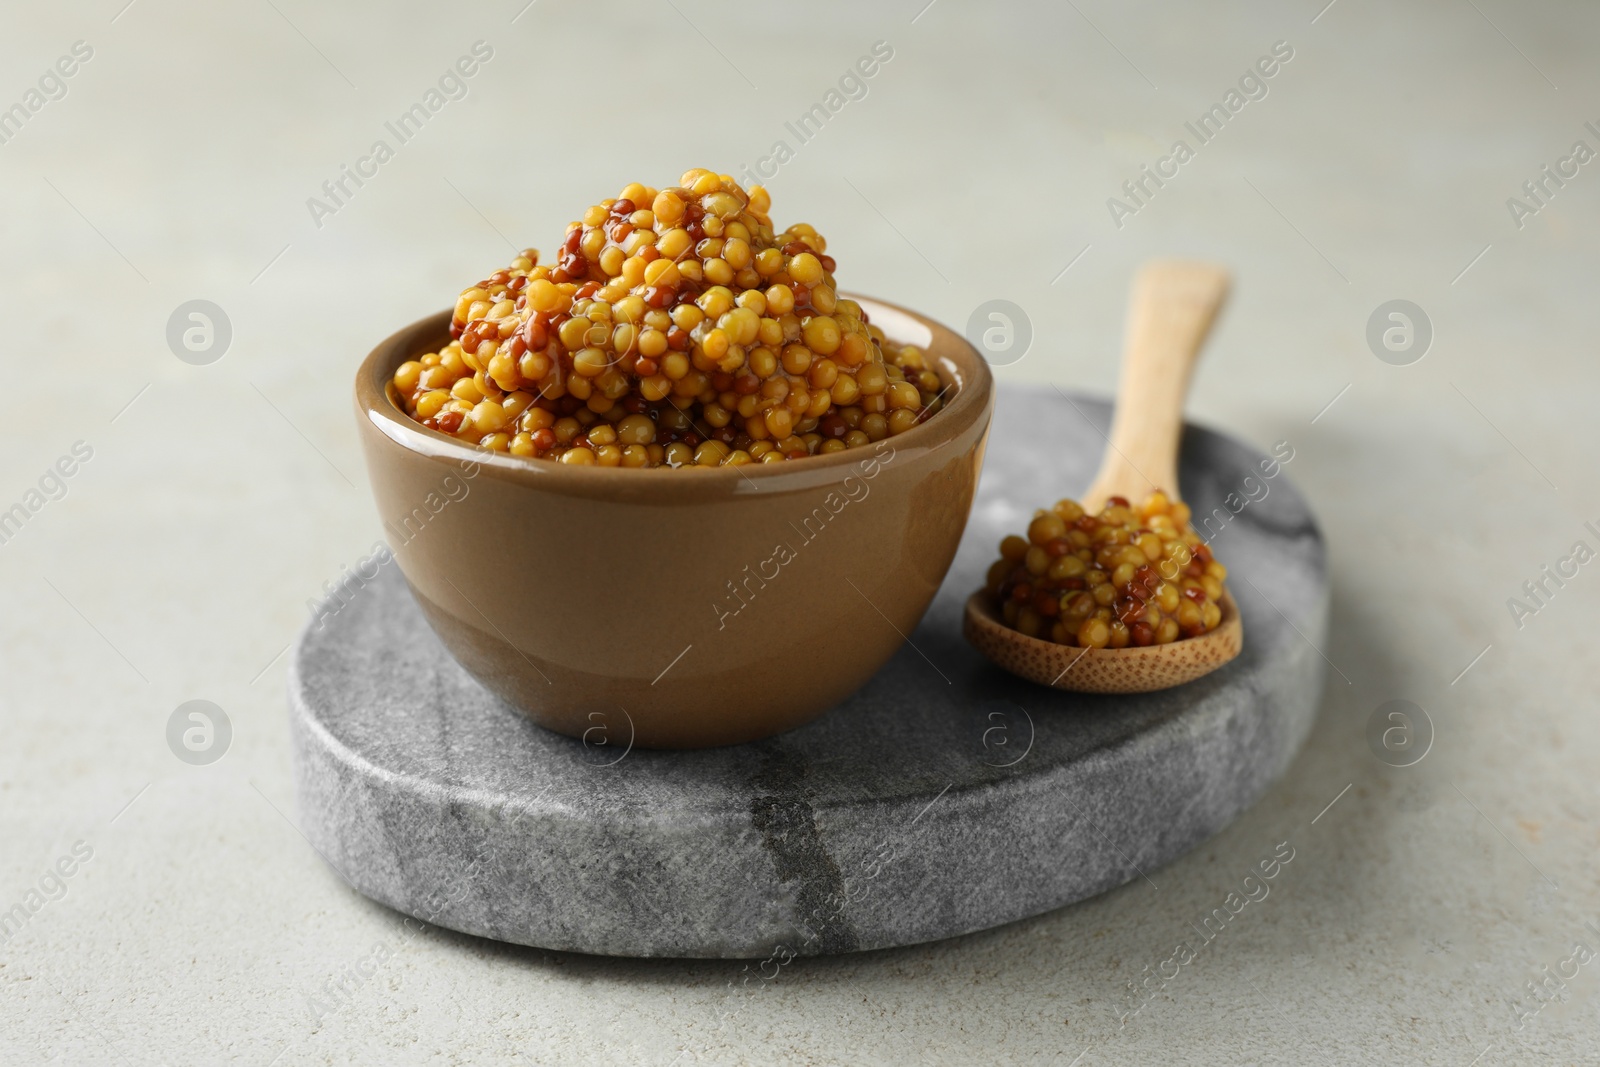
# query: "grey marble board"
944, 797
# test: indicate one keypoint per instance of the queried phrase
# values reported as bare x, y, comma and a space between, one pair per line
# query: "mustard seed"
1128, 576
669, 315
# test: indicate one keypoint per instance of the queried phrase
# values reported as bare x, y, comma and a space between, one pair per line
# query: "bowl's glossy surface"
683, 609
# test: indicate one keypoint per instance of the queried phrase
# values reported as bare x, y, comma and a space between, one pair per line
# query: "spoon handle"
1171, 310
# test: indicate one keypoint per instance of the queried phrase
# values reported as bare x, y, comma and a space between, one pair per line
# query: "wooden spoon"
1173, 305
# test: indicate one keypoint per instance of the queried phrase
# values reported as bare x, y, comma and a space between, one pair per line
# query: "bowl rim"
972, 402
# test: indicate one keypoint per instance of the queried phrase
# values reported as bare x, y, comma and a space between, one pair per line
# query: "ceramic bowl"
676, 608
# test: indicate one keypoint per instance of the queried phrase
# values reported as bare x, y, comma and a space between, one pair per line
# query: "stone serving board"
944, 797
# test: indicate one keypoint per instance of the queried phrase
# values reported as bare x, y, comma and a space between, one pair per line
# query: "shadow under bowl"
676, 608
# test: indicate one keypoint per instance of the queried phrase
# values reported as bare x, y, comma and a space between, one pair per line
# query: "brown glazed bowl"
676, 608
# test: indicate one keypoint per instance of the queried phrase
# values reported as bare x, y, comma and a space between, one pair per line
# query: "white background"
978, 166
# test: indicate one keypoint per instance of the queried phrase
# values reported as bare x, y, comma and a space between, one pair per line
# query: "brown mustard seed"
1128, 576
676, 328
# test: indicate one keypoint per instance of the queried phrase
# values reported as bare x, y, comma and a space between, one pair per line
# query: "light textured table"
197, 925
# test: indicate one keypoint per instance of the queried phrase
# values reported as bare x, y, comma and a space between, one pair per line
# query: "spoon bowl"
1101, 670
